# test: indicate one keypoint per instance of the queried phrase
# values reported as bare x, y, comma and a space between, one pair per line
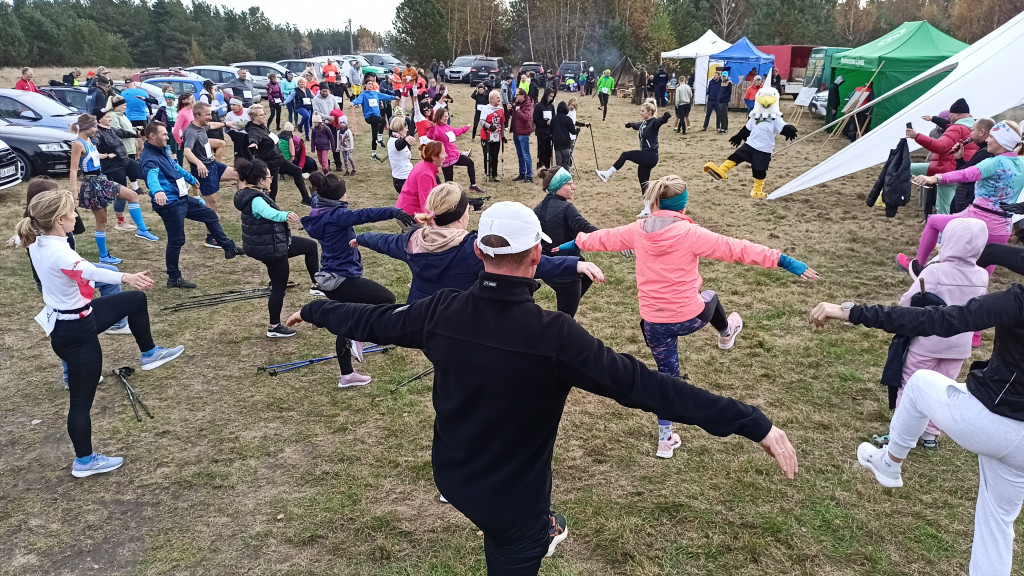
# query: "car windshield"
44, 105
362, 61
464, 61
390, 61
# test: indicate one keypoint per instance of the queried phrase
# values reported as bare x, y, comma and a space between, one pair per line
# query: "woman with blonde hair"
668, 248
646, 158
440, 252
72, 319
96, 192
263, 145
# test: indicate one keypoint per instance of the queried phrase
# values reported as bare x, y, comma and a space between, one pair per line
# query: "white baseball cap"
514, 222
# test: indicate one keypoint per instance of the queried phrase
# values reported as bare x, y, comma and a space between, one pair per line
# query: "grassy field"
244, 473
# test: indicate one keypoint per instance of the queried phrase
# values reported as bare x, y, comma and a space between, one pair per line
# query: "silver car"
459, 70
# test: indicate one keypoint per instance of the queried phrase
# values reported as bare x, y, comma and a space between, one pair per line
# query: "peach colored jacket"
668, 248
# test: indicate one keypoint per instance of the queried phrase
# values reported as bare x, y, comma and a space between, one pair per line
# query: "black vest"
264, 240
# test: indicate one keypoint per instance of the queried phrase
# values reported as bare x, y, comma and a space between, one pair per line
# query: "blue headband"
675, 203
558, 180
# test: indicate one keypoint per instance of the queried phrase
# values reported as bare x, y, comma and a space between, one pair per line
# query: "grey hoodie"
956, 278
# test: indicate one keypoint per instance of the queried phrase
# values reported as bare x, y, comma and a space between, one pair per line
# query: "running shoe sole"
85, 473
162, 360
882, 479
272, 334
558, 539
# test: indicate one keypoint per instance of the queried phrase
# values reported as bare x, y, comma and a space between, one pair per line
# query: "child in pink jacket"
668, 248
441, 132
956, 278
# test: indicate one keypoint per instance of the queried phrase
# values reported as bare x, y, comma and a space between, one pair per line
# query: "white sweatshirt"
68, 280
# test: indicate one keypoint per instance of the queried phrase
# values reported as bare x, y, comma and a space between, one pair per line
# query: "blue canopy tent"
741, 57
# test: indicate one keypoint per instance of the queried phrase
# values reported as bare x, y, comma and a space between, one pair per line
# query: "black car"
10, 167
484, 68
70, 96
535, 67
39, 150
569, 69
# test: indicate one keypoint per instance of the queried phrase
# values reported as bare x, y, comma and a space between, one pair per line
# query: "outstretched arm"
398, 324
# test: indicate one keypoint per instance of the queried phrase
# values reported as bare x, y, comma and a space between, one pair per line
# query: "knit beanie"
960, 107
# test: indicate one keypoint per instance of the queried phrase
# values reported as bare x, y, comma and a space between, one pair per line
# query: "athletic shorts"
210, 184
683, 111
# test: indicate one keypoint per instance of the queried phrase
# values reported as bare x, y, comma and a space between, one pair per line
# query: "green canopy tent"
906, 52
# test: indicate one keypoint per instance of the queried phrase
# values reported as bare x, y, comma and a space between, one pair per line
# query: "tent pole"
881, 98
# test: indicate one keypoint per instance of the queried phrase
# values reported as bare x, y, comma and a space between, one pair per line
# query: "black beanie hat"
960, 107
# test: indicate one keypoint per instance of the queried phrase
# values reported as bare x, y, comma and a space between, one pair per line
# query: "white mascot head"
766, 104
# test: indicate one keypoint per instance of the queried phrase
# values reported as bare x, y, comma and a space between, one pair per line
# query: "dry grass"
241, 472
8, 76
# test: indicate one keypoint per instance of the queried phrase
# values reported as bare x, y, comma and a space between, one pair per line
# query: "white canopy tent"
973, 79
699, 49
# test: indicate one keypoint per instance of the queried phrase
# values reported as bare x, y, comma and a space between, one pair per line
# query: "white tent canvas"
972, 79
699, 49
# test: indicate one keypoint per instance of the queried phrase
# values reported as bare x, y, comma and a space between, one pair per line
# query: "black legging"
357, 291
604, 105
476, 122
275, 114
463, 160
398, 183
76, 342
278, 272
377, 125
292, 170
568, 294
129, 171
645, 161
310, 165
491, 152
545, 146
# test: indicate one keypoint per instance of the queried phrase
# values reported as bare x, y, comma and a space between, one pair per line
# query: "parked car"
9, 166
259, 70
298, 66
39, 151
31, 109
367, 68
569, 69
155, 72
535, 67
483, 68
383, 60
219, 74
818, 103
179, 84
70, 96
459, 69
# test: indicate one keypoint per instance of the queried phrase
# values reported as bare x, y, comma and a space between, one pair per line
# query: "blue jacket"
330, 222
363, 102
161, 172
714, 86
456, 268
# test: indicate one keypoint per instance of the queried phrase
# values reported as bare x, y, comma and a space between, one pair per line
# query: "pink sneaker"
976, 341
667, 447
353, 379
903, 261
735, 325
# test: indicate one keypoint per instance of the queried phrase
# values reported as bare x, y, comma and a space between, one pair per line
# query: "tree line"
603, 31
167, 32
125, 33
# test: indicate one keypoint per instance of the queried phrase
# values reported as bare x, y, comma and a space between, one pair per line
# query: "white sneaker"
305, 175
353, 379
603, 175
115, 329
643, 214
125, 226
667, 447
887, 473
735, 325
441, 498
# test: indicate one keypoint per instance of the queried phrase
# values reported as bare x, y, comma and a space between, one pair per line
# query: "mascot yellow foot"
719, 172
758, 190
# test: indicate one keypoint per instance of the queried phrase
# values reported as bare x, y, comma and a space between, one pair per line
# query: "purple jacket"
274, 94
956, 278
322, 138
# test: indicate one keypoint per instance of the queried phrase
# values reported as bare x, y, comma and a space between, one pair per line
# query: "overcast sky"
311, 14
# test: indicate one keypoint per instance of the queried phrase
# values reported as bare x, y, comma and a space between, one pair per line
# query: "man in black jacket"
503, 369
660, 85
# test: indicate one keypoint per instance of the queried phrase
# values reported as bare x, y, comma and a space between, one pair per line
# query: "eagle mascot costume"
763, 125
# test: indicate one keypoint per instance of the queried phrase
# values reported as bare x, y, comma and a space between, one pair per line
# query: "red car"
161, 73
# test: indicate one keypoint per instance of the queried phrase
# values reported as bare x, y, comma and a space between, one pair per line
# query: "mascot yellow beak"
767, 100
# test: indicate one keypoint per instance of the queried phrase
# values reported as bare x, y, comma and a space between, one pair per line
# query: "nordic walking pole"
413, 379
597, 166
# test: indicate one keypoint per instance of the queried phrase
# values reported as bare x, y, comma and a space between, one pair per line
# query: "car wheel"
24, 166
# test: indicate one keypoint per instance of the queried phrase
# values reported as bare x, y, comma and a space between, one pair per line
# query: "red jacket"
27, 85
941, 147
522, 118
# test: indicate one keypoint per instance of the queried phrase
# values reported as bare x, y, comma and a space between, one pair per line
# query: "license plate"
9, 171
